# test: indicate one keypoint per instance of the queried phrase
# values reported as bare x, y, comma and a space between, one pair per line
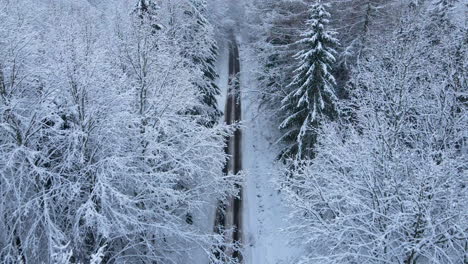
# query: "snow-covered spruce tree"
147, 10
203, 53
311, 98
390, 186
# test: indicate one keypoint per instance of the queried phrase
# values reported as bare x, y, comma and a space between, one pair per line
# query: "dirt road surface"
229, 213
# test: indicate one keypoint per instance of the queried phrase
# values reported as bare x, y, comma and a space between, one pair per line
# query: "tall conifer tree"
202, 51
311, 97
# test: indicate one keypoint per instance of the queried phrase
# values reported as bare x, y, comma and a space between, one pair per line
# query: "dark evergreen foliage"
312, 97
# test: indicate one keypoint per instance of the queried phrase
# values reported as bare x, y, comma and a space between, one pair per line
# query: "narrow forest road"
229, 213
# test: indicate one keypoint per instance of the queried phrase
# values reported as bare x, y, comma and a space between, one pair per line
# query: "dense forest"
116, 145
371, 101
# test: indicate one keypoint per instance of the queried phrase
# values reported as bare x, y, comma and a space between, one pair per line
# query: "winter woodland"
113, 145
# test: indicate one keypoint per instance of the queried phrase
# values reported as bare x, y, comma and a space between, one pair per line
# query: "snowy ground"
223, 72
264, 214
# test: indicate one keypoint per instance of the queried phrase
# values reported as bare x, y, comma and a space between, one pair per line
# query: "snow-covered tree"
311, 98
442, 15
147, 11
442, 10
171, 144
273, 34
202, 51
360, 20
390, 185
99, 160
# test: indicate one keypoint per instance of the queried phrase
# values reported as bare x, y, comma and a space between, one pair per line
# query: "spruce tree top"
313, 76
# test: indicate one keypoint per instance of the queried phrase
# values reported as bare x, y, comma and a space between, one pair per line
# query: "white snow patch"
222, 66
265, 214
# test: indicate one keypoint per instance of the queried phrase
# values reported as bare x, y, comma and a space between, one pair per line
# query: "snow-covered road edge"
205, 221
264, 213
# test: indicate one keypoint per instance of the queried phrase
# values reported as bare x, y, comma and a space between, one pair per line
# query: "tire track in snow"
229, 213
